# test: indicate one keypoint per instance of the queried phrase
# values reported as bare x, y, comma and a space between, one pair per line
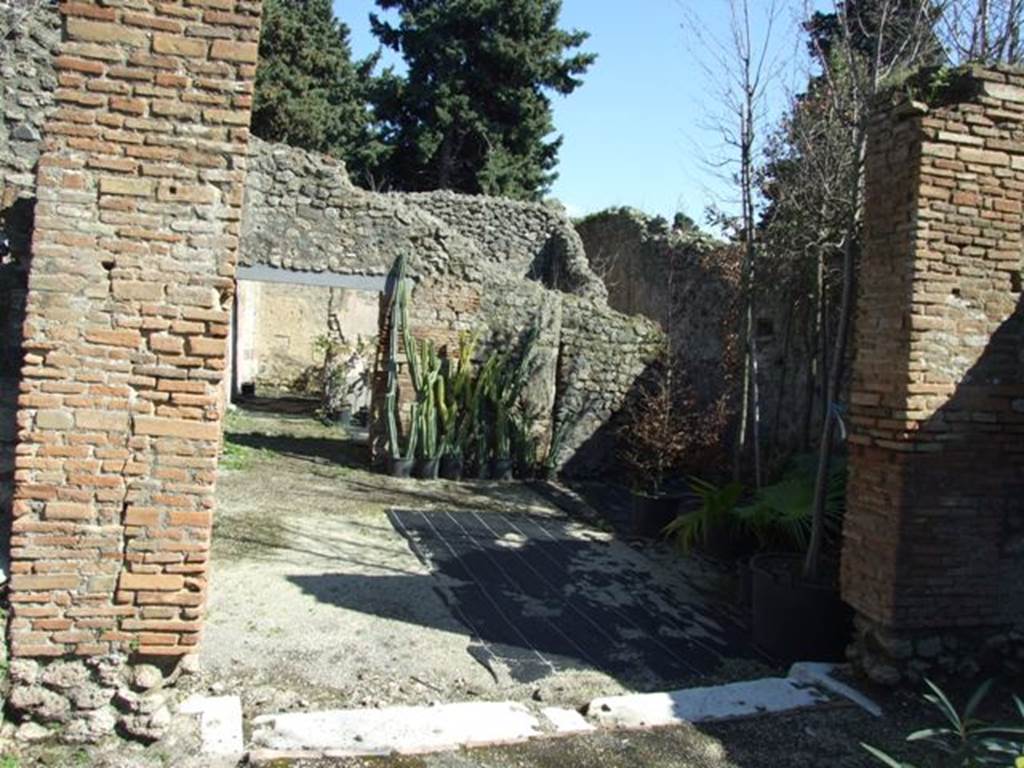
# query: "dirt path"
318, 601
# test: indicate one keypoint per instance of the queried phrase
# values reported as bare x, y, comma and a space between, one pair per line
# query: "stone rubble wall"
535, 240
689, 285
934, 537
604, 357
89, 699
302, 213
30, 33
139, 197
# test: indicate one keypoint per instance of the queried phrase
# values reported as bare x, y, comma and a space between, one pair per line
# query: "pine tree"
473, 113
309, 92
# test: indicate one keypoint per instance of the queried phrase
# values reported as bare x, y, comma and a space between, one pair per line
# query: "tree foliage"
473, 113
309, 92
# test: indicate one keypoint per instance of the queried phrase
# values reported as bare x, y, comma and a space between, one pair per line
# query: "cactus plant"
399, 298
505, 376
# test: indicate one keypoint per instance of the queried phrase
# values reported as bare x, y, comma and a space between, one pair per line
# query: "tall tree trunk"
812, 563
749, 407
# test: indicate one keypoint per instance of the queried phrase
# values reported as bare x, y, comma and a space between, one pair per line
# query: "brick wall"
139, 199
935, 528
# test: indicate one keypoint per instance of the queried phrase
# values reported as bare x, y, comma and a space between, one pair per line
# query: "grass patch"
235, 457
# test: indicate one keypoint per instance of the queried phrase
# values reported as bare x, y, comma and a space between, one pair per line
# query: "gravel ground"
303, 556
316, 601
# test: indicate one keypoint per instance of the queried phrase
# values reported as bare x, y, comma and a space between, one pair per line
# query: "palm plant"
964, 739
717, 505
780, 514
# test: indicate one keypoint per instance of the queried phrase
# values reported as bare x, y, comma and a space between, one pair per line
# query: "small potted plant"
653, 445
401, 462
456, 410
336, 407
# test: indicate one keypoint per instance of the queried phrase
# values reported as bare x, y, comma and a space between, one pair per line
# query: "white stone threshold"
419, 730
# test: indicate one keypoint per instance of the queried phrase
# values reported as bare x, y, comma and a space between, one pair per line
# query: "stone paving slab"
697, 705
425, 730
397, 730
220, 723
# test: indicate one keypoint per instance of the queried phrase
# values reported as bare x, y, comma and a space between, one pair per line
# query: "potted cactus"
454, 396
400, 458
504, 376
425, 371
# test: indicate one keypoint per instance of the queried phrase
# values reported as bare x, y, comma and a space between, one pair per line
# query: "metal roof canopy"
261, 273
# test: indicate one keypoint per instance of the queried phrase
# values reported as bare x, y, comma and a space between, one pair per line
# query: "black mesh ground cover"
542, 594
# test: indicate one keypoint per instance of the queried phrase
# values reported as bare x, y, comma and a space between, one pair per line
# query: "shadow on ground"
539, 597
347, 451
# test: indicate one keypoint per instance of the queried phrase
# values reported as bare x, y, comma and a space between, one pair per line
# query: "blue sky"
636, 132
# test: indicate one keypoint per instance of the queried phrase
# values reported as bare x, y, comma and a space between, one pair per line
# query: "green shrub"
963, 739
717, 505
779, 516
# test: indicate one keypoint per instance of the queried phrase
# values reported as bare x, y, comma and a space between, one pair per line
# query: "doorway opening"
303, 350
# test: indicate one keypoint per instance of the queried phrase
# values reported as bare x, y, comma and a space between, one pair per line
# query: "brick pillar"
139, 199
934, 541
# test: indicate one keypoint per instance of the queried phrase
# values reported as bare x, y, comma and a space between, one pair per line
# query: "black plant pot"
401, 467
501, 469
793, 619
451, 467
723, 541
426, 469
650, 514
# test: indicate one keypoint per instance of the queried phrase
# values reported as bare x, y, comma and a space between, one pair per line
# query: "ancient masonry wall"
27, 83
934, 538
689, 285
139, 190
530, 239
479, 264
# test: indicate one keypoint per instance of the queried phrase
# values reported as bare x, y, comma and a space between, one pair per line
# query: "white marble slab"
397, 730
695, 705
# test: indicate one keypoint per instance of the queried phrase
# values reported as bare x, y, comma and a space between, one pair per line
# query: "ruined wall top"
303, 213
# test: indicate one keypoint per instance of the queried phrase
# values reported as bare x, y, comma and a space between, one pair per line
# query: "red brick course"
136, 239
935, 524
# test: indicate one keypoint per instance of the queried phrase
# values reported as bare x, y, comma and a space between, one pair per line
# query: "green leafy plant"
779, 515
964, 739
456, 395
503, 377
554, 452
424, 362
716, 507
